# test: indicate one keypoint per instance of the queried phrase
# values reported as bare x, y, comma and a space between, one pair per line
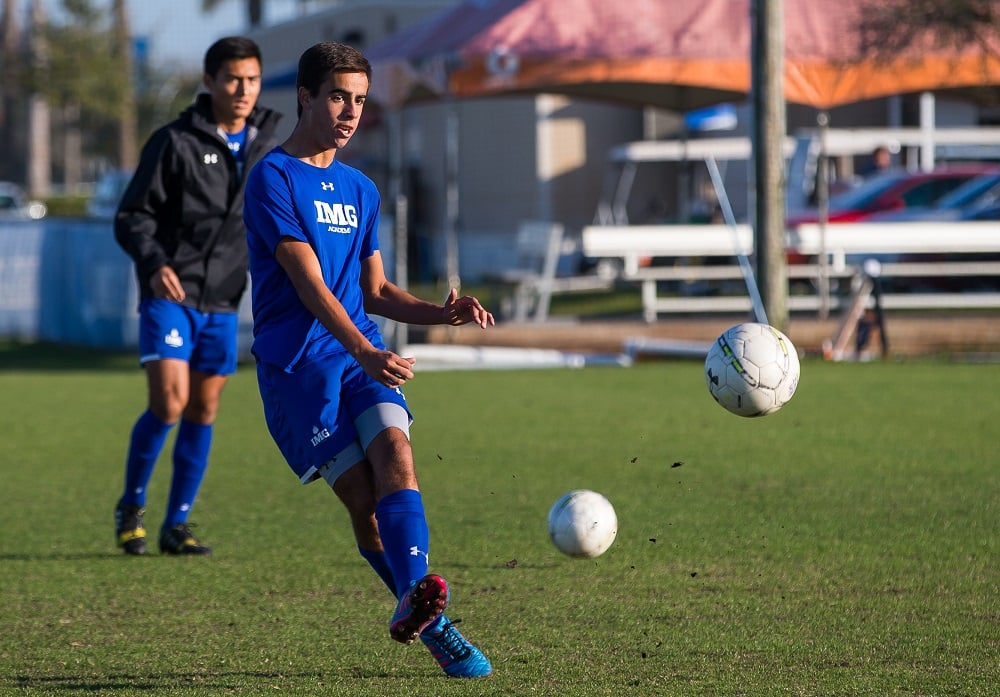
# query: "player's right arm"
139, 214
165, 283
299, 261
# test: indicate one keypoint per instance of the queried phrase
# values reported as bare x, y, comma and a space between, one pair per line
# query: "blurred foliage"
895, 26
254, 8
60, 75
80, 73
66, 206
911, 27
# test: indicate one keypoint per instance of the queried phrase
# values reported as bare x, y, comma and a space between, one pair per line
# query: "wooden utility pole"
769, 126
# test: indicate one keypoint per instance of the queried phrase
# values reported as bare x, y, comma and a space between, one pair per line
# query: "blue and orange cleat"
456, 656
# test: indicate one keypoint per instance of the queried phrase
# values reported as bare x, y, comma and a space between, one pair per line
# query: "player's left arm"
382, 297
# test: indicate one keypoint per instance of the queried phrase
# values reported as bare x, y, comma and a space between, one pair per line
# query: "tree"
128, 154
908, 26
255, 10
12, 164
83, 100
899, 26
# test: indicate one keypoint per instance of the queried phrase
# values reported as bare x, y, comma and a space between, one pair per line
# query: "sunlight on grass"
845, 545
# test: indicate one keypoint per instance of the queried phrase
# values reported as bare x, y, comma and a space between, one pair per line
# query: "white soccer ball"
583, 523
752, 369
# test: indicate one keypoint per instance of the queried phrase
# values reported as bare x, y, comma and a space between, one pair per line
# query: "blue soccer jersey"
335, 210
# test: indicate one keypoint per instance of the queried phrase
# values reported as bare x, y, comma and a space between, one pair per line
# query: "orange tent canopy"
681, 54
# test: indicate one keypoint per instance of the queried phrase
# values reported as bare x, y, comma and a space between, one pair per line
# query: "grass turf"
844, 546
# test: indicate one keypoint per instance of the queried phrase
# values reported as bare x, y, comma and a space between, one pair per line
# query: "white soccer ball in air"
752, 369
583, 523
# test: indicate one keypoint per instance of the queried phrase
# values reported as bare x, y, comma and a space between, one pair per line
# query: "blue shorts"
315, 413
206, 341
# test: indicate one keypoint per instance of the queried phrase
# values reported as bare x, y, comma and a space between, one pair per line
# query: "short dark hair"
325, 58
230, 48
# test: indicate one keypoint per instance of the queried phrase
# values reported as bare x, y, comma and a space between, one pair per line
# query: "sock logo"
415, 552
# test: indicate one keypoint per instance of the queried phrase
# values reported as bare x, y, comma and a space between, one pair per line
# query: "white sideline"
434, 357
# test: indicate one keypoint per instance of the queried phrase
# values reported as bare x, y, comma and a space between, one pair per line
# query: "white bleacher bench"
633, 243
535, 280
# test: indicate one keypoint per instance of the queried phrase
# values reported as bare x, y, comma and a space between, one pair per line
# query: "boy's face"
234, 89
334, 112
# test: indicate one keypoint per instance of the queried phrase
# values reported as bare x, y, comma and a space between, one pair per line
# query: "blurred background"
465, 159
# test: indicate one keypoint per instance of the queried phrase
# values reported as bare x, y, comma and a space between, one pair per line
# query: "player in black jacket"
181, 221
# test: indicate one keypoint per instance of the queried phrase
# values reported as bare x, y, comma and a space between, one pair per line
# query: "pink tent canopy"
681, 54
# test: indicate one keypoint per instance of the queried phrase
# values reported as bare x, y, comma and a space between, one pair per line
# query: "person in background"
331, 391
881, 161
181, 221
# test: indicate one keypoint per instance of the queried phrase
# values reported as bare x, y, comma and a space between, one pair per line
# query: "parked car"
14, 205
991, 212
895, 190
976, 200
963, 202
108, 193
892, 191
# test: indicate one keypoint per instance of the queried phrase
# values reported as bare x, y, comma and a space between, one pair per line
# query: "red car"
889, 191
893, 190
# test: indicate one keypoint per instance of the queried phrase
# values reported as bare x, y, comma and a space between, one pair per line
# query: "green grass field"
847, 545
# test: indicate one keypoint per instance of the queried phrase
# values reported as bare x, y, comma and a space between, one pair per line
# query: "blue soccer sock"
190, 463
148, 436
378, 562
402, 526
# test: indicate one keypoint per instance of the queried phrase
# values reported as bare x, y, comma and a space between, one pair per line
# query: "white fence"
67, 281
701, 280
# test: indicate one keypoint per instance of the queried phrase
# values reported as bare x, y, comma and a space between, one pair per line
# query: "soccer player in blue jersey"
330, 388
181, 221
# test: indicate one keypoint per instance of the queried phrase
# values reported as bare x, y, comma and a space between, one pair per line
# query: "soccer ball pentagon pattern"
752, 369
583, 523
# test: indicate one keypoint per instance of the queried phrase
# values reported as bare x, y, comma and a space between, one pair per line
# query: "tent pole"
397, 195
451, 192
823, 213
759, 313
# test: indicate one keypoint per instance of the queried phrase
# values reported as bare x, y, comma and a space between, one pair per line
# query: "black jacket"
184, 206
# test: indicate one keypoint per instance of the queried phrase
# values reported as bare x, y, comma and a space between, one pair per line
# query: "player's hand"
458, 311
167, 285
387, 368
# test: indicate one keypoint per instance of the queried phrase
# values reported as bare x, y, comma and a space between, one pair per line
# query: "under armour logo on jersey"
415, 552
327, 186
211, 158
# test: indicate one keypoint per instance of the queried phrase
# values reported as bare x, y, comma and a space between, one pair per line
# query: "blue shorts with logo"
205, 340
311, 411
